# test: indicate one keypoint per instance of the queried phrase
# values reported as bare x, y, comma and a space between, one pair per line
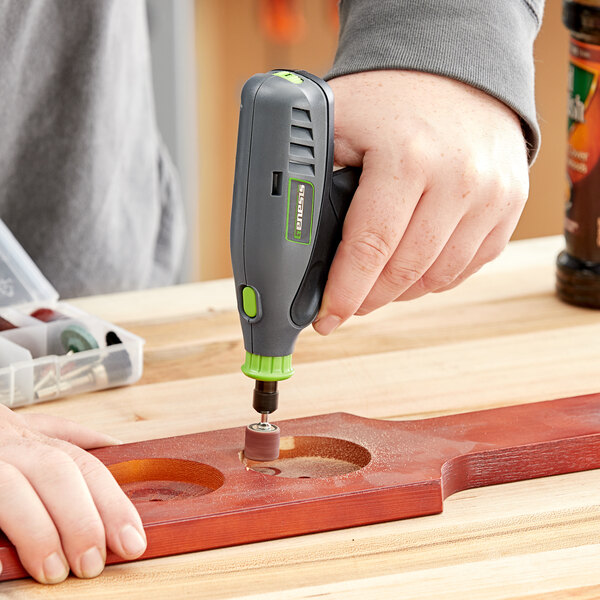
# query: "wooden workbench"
501, 338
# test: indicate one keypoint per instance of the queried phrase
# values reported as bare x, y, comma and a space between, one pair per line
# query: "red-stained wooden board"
193, 492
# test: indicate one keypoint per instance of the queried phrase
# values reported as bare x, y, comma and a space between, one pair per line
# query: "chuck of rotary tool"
266, 397
262, 439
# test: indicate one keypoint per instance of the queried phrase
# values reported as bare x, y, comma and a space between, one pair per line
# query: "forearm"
485, 43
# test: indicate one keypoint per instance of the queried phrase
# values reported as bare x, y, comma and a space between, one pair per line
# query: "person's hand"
59, 505
444, 181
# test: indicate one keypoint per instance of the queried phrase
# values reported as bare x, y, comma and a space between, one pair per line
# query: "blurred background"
204, 50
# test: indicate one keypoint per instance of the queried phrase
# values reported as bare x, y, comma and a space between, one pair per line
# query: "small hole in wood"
165, 479
308, 457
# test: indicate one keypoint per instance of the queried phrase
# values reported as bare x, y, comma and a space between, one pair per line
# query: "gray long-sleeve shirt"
485, 43
85, 184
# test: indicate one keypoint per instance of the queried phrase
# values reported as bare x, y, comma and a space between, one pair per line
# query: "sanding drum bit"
262, 439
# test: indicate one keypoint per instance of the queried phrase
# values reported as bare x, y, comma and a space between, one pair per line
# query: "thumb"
377, 218
69, 431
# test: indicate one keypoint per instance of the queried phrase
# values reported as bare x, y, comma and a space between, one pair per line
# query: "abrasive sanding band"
262, 445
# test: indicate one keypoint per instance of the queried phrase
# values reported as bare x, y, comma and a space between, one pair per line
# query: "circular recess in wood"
308, 457
165, 479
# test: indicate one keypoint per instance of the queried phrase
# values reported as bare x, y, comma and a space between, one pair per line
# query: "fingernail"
91, 563
327, 325
55, 569
131, 540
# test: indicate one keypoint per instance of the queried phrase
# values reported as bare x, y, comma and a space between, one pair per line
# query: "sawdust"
308, 467
313, 457
162, 491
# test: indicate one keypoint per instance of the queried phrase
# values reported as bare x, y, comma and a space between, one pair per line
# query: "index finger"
69, 431
376, 221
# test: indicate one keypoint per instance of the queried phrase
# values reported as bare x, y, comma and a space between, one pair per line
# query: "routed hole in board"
165, 479
312, 457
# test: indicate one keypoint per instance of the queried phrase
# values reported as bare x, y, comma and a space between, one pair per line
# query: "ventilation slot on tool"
302, 169
301, 151
300, 115
303, 134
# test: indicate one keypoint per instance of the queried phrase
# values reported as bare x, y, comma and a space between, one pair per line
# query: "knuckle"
345, 302
89, 465
501, 191
416, 149
419, 137
500, 187
8, 471
450, 286
416, 152
8, 416
370, 250
48, 466
510, 190
400, 274
42, 540
88, 529
433, 281
9, 477
13, 433
491, 252
50, 460
473, 171
483, 176
521, 190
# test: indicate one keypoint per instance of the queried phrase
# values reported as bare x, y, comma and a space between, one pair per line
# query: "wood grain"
197, 492
544, 542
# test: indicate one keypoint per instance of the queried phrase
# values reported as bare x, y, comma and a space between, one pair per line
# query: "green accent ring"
268, 368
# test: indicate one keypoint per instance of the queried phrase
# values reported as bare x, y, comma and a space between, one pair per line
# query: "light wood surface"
501, 338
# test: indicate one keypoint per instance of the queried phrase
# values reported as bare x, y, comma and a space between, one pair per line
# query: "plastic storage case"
65, 351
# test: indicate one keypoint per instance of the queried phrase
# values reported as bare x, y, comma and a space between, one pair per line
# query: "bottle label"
582, 218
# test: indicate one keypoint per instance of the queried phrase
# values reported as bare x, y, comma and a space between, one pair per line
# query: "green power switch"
289, 76
249, 301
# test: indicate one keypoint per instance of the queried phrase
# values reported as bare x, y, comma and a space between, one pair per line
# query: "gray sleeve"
485, 43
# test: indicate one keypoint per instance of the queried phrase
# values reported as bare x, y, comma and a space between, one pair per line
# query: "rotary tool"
286, 223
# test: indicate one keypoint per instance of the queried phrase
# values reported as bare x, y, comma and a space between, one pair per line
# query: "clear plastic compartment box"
65, 351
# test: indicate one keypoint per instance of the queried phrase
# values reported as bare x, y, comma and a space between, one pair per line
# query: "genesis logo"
299, 211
